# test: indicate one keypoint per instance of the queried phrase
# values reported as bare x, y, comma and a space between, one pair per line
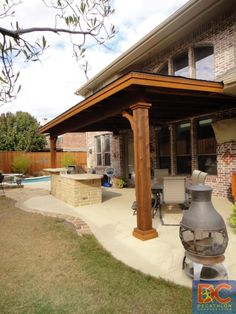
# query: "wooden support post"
140, 125
53, 150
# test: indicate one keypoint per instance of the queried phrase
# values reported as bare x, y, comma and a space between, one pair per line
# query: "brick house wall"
72, 142
221, 33
115, 153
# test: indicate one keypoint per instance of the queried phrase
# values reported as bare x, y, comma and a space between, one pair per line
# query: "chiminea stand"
212, 268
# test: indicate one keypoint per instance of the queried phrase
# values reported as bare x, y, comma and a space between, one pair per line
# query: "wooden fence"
39, 160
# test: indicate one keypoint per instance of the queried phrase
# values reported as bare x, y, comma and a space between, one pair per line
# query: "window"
183, 148
181, 67
103, 150
164, 148
206, 146
204, 63
107, 160
99, 150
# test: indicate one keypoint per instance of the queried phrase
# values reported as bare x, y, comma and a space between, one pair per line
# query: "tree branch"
17, 33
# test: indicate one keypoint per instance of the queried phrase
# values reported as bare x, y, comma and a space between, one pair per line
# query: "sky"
48, 86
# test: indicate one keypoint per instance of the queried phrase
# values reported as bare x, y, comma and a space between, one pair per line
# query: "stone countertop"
82, 176
55, 170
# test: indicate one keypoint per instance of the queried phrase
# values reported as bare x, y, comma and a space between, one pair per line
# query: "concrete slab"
112, 223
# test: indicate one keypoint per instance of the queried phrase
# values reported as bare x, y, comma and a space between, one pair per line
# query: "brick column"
173, 160
157, 163
193, 134
53, 150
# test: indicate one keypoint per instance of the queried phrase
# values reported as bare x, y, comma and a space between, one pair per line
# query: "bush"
21, 164
233, 217
119, 182
68, 160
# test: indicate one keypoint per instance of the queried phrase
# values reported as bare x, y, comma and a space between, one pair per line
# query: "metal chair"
1, 183
159, 174
174, 192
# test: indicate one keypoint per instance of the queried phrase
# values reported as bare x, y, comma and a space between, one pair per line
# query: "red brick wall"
219, 32
72, 142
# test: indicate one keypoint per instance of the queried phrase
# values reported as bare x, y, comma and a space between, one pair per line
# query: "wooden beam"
139, 79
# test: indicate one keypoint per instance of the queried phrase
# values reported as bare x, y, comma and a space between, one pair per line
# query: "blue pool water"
36, 179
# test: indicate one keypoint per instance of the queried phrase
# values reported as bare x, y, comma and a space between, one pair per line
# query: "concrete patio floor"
112, 223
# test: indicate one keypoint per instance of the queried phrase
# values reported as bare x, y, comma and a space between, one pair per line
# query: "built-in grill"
203, 232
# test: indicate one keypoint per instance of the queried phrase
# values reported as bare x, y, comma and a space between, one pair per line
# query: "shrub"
21, 164
119, 182
232, 219
68, 160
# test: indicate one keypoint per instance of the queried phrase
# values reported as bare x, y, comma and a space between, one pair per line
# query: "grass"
45, 267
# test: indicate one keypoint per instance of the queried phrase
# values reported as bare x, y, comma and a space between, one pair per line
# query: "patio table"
12, 178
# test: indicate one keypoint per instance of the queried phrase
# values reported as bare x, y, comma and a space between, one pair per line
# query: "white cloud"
48, 87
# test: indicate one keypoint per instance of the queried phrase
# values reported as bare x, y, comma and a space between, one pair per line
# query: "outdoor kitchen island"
75, 189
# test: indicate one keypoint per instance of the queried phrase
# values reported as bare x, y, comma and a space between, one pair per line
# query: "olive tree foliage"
20, 132
79, 19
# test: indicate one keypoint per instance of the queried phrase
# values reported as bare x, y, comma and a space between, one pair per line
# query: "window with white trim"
201, 60
103, 156
204, 63
181, 67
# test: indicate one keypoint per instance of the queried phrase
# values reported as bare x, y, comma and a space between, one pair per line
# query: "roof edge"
171, 25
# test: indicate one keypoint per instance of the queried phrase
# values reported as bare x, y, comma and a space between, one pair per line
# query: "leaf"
67, 20
17, 76
44, 42
2, 80
19, 88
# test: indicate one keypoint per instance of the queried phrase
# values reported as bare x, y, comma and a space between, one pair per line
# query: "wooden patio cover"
137, 100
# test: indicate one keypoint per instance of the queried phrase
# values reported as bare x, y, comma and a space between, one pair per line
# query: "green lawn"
45, 267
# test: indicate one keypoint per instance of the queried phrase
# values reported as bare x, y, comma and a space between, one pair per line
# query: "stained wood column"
140, 125
53, 150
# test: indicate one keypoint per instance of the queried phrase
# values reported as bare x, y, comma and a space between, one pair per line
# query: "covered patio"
137, 101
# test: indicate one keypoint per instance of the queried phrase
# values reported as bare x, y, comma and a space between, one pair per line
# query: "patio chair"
198, 177
134, 207
195, 177
159, 174
174, 193
202, 177
1, 183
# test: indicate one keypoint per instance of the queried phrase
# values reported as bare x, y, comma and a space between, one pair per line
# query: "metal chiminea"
203, 234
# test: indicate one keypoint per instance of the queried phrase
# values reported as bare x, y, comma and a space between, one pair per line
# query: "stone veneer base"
76, 192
